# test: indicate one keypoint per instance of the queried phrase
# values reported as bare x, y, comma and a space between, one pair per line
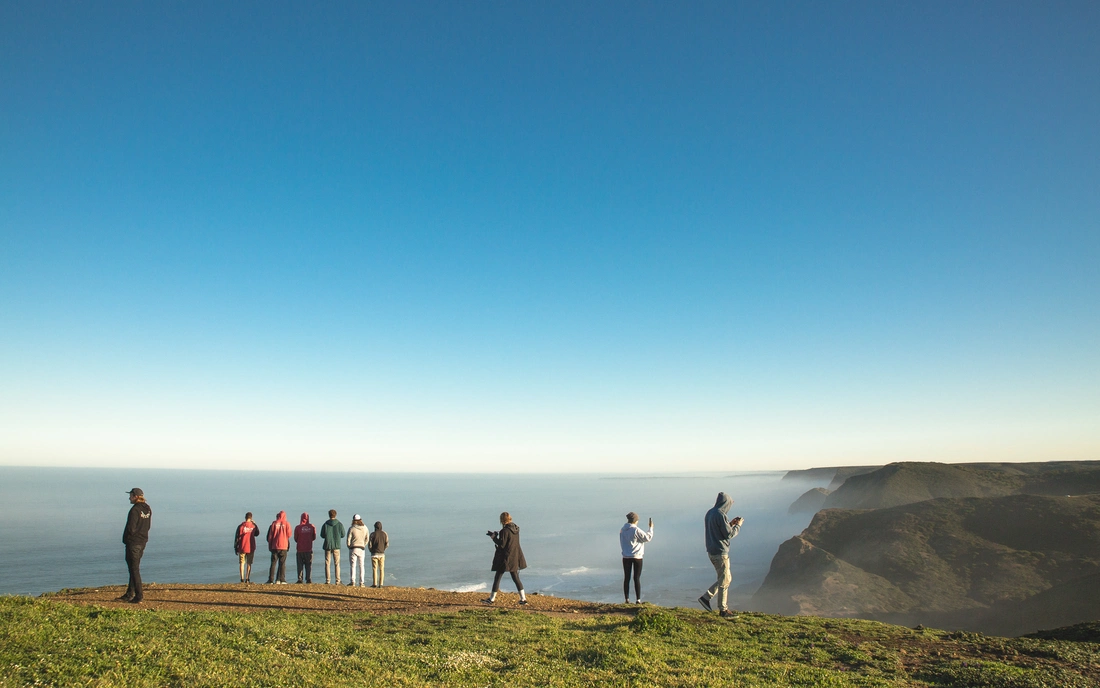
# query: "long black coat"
509, 556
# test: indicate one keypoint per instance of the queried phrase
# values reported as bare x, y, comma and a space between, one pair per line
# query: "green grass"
45, 642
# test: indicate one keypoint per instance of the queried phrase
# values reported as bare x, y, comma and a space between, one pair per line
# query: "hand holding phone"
651, 522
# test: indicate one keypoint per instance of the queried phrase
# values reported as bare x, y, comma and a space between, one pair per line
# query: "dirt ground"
326, 598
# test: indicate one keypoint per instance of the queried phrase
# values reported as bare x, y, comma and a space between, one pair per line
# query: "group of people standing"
507, 557
717, 532
333, 538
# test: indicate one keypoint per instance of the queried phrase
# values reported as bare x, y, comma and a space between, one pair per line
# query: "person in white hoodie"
357, 544
632, 539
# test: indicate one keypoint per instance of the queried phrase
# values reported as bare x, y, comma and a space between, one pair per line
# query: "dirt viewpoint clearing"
325, 598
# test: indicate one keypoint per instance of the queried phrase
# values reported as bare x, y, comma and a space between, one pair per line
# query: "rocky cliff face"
810, 502
806, 579
975, 563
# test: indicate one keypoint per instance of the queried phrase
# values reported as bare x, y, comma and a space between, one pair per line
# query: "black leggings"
629, 564
500, 574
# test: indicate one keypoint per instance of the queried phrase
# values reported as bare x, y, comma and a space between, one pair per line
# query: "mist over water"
64, 527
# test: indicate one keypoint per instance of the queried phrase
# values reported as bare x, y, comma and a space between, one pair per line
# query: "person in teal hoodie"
332, 535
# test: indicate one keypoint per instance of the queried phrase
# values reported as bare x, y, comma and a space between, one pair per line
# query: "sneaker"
488, 600
136, 600
706, 603
523, 601
727, 614
626, 601
280, 582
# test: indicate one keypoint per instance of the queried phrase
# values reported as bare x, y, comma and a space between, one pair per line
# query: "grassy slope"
45, 642
905, 483
909, 482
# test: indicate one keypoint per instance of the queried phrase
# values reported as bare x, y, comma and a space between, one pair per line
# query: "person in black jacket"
135, 536
508, 557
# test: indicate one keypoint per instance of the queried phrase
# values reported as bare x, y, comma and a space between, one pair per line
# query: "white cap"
357, 517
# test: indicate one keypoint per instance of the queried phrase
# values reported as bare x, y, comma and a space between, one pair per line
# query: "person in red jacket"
278, 541
244, 544
304, 535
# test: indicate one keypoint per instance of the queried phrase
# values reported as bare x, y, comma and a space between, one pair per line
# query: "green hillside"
46, 642
905, 483
1007, 564
909, 482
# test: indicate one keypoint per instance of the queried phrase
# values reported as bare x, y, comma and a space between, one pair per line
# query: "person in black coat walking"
508, 557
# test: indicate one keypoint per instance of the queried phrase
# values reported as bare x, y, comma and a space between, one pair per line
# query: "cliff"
810, 502
1014, 563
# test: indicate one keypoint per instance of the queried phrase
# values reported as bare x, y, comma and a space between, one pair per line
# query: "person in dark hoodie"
332, 538
718, 534
278, 541
304, 535
377, 544
135, 536
508, 557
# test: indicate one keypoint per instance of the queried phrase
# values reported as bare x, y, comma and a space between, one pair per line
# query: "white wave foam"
571, 572
470, 588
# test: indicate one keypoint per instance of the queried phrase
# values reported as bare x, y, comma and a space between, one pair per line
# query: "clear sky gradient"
614, 236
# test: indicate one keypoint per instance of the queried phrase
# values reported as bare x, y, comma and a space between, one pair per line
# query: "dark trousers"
500, 574
133, 565
305, 562
278, 556
636, 566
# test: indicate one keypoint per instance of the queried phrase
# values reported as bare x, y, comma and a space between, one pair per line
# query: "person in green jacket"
332, 534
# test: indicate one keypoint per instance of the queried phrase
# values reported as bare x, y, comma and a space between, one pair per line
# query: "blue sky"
548, 236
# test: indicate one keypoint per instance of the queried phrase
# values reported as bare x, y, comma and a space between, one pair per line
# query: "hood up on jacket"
378, 525
281, 516
724, 502
305, 518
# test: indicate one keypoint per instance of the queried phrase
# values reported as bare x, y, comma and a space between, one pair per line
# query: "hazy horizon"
600, 473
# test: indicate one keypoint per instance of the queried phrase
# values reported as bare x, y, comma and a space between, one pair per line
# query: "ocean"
64, 527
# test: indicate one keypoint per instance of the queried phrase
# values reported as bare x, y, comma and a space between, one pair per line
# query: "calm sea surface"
64, 527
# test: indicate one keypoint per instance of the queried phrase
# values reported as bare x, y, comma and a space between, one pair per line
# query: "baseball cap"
357, 517
136, 492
